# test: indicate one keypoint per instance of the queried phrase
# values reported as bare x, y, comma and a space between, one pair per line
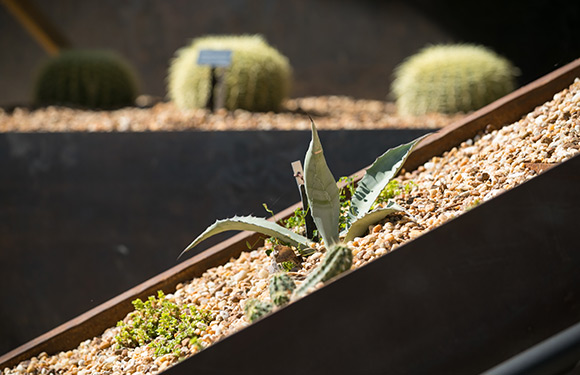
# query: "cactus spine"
336, 261
256, 309
451, 78
281, 288
86, 78
258, 78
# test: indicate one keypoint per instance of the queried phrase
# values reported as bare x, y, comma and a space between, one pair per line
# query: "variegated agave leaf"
376, 179
321, 190
255, 224
361, 224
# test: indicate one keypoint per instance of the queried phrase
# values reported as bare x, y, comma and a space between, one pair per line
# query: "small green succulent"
393, 189
163, 325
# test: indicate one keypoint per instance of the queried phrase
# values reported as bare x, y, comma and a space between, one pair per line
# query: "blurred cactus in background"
452, 78
258, 78
86, 78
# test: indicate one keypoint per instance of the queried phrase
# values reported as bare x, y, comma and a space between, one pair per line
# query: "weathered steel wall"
459, 299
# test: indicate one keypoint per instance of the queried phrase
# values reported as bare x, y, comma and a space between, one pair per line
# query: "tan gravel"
445, 187
329, 112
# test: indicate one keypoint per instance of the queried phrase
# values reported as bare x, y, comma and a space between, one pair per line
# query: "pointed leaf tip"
321, 190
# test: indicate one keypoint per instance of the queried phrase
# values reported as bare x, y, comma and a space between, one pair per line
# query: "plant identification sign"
215, 58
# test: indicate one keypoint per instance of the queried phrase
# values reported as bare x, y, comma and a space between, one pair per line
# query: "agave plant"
323, 198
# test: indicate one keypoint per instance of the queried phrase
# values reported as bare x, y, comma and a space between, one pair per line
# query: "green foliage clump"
297, 221
345, 193
287, 266
393, 189
258, 78
86, 78
162, 324
452, 78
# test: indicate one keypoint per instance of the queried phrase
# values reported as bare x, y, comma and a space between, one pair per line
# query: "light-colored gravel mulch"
444, 187
329, 112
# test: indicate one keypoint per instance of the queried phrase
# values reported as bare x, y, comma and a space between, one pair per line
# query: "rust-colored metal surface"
497, 114
95, 321
459, 299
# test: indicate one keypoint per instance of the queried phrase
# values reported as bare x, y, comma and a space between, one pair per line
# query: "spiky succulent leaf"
360, 225
321, 190
376, 178
251, 223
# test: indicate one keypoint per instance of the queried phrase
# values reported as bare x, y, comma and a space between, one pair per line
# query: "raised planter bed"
422, 324
121, 202
457, 300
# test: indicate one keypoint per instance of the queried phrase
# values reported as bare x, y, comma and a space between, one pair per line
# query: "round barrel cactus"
86, 78
452, 78
258, 78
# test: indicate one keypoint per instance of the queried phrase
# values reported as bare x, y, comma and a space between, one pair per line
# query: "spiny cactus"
336, 261
258, 78
256, 309
86, 78
281, 288
452, 78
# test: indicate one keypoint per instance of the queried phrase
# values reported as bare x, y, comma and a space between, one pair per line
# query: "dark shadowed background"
346, 47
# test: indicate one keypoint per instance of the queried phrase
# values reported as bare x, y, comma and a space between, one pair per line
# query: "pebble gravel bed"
444, 187
329, 112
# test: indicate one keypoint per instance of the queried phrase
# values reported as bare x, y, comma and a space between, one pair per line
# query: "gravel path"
329, 112
444, 187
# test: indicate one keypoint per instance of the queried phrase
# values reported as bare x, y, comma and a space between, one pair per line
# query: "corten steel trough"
462, 298
94, 214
